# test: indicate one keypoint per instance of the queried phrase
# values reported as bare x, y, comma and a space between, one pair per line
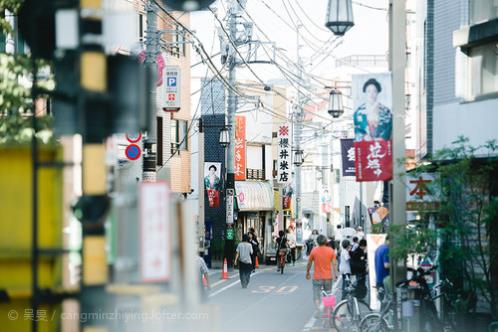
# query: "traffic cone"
257, 263
224, 272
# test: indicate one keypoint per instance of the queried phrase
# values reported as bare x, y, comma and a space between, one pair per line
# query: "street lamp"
339, 16
188, 5
298, 158
336, 108
224, 137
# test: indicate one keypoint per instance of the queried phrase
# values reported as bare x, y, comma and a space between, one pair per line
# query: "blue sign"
171, 81
133, 152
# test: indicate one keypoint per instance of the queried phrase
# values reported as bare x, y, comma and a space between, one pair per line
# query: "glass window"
179, 135
483, 10
484, 67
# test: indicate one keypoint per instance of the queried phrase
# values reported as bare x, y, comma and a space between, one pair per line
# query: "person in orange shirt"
325, 268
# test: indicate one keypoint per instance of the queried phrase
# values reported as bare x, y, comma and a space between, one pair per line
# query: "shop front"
254, 210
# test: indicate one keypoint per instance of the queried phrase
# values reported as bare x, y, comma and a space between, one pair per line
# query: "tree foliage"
16, 81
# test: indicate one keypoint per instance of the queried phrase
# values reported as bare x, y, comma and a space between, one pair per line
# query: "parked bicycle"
383, 321
349, 312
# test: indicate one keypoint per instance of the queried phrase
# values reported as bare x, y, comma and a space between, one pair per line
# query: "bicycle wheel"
344, 317
374, 323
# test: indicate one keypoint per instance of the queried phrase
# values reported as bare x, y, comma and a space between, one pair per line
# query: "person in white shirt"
243, 256
345, 264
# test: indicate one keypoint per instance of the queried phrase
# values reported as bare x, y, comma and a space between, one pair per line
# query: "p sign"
171, 81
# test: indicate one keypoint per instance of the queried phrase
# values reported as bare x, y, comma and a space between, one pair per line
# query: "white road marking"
309, 325
229, 286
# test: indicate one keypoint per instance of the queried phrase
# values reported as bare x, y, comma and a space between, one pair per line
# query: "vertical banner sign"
373, 122
172, 89
212, 183
287, 192
240, 148
284, 154
229, 198
348, 158
155, 232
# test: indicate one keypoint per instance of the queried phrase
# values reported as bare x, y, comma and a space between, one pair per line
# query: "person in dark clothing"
281, 244
359, 264
243, 258
255, 248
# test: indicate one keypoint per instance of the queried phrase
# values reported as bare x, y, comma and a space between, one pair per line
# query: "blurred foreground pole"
151, 53
397, 52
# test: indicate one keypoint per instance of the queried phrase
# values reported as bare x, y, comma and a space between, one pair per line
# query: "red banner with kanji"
213, 198
240, 148
373, 160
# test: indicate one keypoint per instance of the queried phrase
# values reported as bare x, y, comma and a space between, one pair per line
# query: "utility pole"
232, 109
298, 120
151, 52
398, 63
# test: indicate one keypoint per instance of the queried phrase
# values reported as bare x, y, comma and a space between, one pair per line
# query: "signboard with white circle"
134, 137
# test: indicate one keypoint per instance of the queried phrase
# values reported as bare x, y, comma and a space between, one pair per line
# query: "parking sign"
172, 89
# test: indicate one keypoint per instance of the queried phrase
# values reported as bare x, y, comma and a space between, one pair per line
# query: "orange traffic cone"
224, 272
257, 263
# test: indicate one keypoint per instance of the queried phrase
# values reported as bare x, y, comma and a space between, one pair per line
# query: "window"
483, 10
179, 135
484, 69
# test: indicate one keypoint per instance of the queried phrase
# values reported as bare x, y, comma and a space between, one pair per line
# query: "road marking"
309, 325
229, 286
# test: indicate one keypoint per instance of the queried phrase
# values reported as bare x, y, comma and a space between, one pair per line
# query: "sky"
368, 36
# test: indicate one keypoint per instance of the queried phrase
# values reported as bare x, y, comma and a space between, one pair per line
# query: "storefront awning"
254, 195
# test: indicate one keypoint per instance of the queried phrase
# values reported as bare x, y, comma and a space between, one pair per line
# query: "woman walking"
243, 257
255, 248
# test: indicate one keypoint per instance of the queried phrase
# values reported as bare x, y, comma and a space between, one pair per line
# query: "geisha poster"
212, 183
373, 121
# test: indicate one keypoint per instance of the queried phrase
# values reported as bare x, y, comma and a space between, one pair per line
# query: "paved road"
272, 302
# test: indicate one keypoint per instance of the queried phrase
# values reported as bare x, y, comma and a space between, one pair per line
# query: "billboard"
373, 120
212, 183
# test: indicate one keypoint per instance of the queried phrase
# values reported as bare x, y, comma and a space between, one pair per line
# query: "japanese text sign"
284, 154
240, 148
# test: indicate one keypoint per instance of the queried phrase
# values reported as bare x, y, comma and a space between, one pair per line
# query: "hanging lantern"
188, 5
336, 108
339, 16
224, 137
298, 157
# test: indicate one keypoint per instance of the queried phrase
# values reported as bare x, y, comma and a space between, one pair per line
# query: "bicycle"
349, 312
282, 256
383, 321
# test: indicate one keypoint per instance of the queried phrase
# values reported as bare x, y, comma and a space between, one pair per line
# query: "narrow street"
272, 301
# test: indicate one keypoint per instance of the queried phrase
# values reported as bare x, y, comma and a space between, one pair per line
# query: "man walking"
243, 256
382, 266
359, 268
325, 269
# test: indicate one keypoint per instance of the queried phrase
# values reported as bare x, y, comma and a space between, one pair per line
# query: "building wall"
452, 115
178, 165
446, 20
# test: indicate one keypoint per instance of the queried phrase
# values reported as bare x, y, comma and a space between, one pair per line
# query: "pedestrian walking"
325, 269
345, 264
282, 248
355, 243
255, 248
382, 267
359, 268
291, 238
243, 259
